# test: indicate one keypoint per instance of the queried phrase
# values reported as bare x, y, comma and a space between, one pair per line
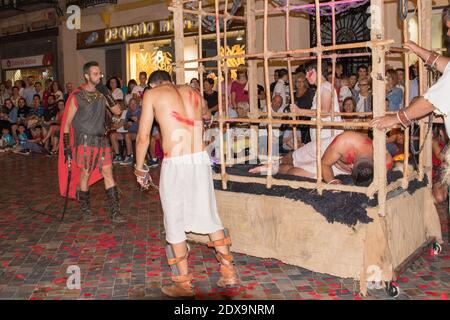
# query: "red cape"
63, 169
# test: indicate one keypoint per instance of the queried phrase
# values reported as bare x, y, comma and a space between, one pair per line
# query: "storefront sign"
28, 62
141, 31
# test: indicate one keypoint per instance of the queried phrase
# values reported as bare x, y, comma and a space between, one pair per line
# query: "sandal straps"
220, 243
227, 257
184, 278
176, 260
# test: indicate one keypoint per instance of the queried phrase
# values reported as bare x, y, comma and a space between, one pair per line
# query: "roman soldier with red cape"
84, 145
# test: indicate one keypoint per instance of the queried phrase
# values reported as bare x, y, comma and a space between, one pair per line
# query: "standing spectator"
29, 91
276, 76
362, 73
353, 81
3, 94
328, 104
131, 84
226, 91
393, 93
47, 91
344, 91
401, 78
69, 90
132, 125
113, 85
122, 86
303, 99
9, 86
261, 98
282, 89
15, 96
439, 147
363, 98
413, 81
57, 91
239, 91
211, 96
39, 90
138, 90
21, 85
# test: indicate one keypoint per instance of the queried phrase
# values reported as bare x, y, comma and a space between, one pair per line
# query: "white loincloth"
306, 157
187, 196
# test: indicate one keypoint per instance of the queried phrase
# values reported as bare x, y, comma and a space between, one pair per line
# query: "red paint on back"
182, 119
350, 157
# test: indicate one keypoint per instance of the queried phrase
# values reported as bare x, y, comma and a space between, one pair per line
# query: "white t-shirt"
360, 104
123, 117
439, 96
326, 131
117, 94
344, 93
282, 90
138, 90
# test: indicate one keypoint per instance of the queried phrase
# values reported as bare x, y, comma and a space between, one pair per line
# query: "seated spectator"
36, 108
439, 147
363, 97
119, 134
131, 84
113, 85
54, 124
22, 137
393, 93
195, 83
132, 125
7, 140
395, 142
8, 117
211, 96
23, 110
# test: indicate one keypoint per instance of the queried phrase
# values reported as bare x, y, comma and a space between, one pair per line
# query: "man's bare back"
178, 110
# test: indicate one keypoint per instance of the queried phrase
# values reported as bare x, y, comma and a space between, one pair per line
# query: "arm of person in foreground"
418, 109
329, 158
145, 126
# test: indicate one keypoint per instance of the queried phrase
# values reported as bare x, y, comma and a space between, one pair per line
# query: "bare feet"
260, 169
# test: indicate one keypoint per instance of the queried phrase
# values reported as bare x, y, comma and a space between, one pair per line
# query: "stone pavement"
128, 261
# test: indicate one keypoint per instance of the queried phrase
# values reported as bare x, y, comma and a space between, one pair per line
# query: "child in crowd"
7, 140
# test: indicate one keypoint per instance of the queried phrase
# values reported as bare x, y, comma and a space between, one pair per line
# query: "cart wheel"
437, 249
393, 289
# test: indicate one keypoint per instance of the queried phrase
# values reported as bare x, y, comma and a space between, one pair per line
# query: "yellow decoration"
399, 157
156, 60
237, 49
